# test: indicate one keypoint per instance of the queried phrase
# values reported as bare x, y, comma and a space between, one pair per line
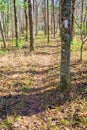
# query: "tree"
36, 17
48, 20
81, 24
26, 18
15, 19
2, 9
53, 17
44, 15
31, 26
66, 37
86, 22
2, 32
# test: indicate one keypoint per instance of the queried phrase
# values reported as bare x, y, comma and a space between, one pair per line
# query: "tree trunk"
53, 17
15, 19
82, 2
31, 26
44, 16
48, 20
65, 31
36, 18
26, 19
86, 20
51, 23
2, 33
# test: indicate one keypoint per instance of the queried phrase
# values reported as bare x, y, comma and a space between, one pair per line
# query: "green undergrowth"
26, 87
75, 45
20, 42
4, 51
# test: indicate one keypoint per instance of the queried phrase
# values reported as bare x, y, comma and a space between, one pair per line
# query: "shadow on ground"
37, 100
47, 46
30, 104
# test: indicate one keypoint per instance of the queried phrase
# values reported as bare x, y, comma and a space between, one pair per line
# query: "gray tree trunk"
44, 16
53, 16
48, 38
65, 32
2, 33
36, 17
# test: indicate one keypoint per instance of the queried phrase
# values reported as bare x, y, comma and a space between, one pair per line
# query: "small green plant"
49, 121
28, 82
56, 128
1, 52
1, 100
75, 45
20, 43
9, 122
3, 126
86, 119
64, 122
4, 51
41, 35
17, 118
25, 89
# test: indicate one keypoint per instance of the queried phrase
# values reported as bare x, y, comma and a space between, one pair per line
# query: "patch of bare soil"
29, 95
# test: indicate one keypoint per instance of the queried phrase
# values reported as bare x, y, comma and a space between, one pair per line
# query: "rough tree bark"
66, 37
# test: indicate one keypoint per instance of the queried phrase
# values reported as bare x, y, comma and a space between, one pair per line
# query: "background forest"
43, 61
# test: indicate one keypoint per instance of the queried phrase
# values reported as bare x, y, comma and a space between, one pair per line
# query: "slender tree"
44, 16
36, 17
53, 17
31, 26
48, 20
82, 3
2, 32
16, 22
26, 19
86, 20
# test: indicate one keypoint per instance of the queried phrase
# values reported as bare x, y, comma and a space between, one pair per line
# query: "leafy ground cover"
29, 95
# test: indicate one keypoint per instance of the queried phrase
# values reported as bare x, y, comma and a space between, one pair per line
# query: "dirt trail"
29, 94
26, 81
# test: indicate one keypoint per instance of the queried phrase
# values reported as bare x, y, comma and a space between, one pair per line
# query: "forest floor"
29, 95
